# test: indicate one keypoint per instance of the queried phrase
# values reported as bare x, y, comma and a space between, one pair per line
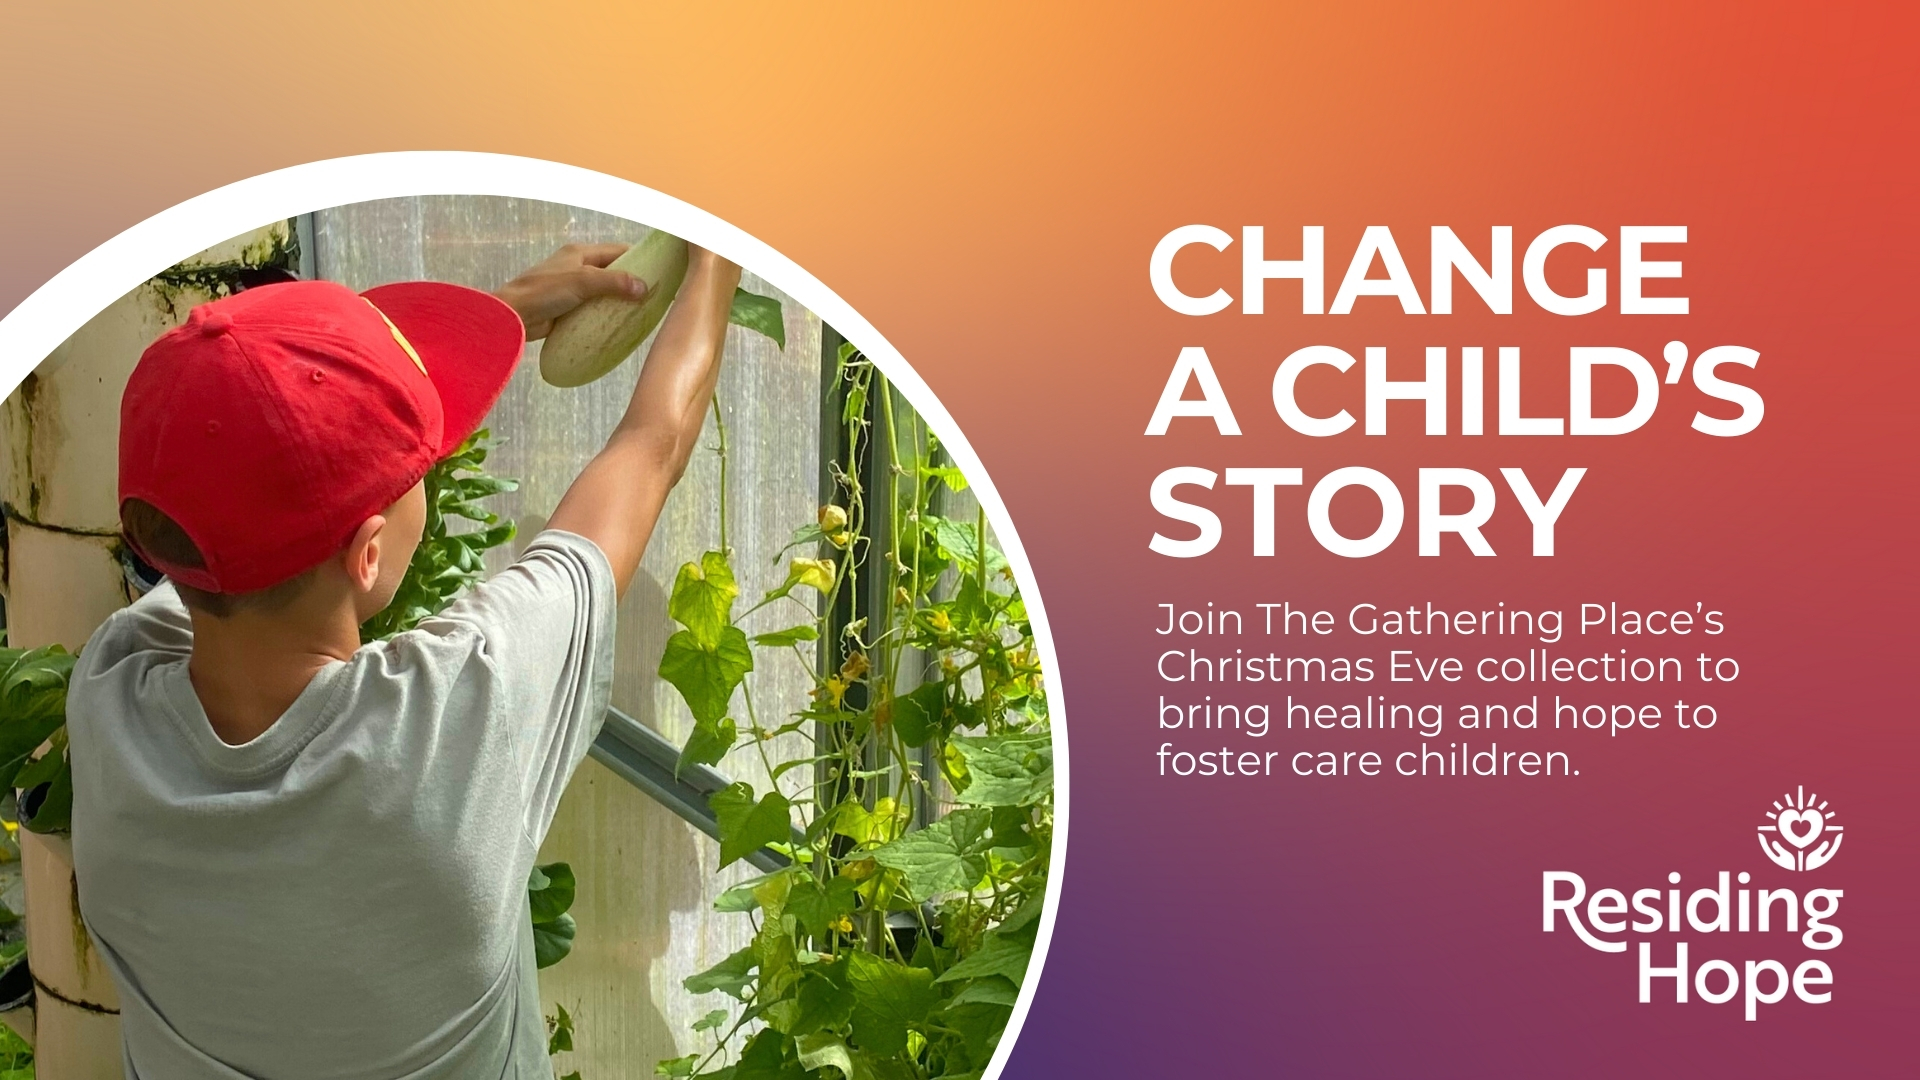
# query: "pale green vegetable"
594, 338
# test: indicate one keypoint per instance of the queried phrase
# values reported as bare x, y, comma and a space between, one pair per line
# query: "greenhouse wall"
647, 879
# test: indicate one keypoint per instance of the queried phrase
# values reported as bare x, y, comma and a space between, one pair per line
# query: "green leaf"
768, 1056
33, 706
552, 941
888, 998
851, 820
730, 976
780, 969
792, 763
813, 573
792, 635
978, 1026
819, 1004
19, 738
817, 909
810, 533
740, 897
1002, 956
863, 826
992, 990
1024, 923
962, 541
470, 511
33, 683
825, 1050
761, 313
946, 474
446, 564
707, 745
711, 1021
971, 828
559, 1031
746, 826
706, 676
946, 856
771, 893
487, 539
47, 781
918, 715
479, 487
1012, 827
680, 1066
550, 891
1006, 770
703, 596
970, 609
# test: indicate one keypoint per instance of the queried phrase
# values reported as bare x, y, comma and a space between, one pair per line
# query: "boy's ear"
364, 552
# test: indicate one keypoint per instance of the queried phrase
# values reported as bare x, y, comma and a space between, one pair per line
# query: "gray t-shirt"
344, 896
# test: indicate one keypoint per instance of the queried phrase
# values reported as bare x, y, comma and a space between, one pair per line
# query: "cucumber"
594, 338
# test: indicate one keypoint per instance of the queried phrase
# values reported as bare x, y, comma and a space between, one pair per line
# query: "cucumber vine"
919, 828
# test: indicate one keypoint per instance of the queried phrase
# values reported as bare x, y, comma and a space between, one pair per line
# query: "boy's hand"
568, 278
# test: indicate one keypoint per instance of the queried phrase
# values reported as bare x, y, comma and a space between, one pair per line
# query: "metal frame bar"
646, 759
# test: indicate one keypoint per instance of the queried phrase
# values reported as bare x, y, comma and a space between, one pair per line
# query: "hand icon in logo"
1799, 822
1818, 857
1781, 856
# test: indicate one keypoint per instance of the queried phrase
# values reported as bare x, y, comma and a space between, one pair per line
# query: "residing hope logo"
1800, 820
1802, 837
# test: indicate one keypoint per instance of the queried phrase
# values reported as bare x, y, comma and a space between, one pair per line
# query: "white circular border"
55, 310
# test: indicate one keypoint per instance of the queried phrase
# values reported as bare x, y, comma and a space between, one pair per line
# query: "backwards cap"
274, 422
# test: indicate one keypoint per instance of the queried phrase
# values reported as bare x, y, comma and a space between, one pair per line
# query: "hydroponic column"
64, 577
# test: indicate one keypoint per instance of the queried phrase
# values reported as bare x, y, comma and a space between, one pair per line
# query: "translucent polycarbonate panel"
647, 880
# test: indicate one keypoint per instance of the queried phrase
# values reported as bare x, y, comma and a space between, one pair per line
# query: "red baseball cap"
274, 422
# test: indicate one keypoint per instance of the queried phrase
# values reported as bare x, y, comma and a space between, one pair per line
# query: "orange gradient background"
984, 183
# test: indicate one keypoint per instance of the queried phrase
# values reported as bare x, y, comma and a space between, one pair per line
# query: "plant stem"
720, 427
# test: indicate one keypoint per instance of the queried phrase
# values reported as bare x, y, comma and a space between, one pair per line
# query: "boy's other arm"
617, 498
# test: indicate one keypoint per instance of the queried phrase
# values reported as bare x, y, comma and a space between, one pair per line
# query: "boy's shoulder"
555, 566
155, 623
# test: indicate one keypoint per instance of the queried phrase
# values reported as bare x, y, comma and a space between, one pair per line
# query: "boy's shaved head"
152, 531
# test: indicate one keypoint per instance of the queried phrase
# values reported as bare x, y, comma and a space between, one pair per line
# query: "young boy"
304, 857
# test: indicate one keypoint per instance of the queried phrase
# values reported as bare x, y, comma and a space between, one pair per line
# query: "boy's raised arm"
617, 498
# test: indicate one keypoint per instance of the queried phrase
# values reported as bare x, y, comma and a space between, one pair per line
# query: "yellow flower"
835, 689
817, 573
833, 525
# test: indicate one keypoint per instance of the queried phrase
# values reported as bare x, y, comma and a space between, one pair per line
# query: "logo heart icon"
1800, 827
